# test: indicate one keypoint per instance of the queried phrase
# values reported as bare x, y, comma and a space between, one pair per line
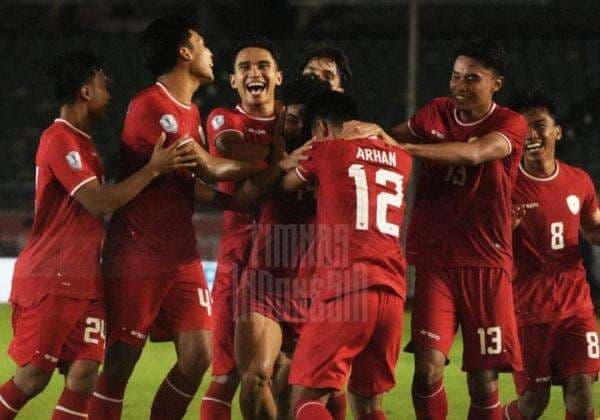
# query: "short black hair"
303, 89
334, 107
256, 41
536, 97
333, 53
161, 39
68, 71
487, 51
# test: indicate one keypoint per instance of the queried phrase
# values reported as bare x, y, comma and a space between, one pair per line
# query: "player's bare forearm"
291, 182
233, 146
402, 134
253, 189
487, 148
205, 195
221, 169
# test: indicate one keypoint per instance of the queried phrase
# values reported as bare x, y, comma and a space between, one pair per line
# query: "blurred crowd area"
553, 43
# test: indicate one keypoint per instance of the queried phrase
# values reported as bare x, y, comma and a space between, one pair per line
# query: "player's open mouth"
533, 147
256, 88
460, 97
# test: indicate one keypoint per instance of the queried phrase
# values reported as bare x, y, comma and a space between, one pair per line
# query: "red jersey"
154, 230
282, 237
360, 209
550, 282
62, 256
237, 227
462, 214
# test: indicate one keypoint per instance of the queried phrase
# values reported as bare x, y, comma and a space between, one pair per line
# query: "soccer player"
154, 279
57, 294
354, 324
460, 238
557, 327
243, 133
328, 63
272, 305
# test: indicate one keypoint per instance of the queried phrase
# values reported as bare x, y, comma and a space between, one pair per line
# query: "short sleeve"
69, 163
590, 199
220, 121
308, 169
513, 129
419, 124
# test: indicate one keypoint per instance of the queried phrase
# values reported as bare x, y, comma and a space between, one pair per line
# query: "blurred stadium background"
551, 42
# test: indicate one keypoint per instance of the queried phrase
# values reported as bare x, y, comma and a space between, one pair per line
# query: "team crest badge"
74, 160
169, 123
573, 203
217, 121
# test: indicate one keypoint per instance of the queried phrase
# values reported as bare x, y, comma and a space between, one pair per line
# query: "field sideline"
158, 359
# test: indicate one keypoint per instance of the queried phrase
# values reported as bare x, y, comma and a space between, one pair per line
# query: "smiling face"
255, 76
543, 133
472, 85
326, 70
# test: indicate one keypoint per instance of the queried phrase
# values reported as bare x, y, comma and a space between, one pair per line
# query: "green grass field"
158, 359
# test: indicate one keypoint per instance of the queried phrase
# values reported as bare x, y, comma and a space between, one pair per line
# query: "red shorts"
356, 334
289, 312
480, 300
160, 306
223, 293
57, 331
554, 351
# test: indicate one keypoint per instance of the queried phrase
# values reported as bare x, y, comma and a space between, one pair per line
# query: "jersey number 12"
384, 199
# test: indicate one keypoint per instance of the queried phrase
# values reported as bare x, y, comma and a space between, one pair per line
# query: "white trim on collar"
239, 108
535, 178
172, 98
67, 123
464, 124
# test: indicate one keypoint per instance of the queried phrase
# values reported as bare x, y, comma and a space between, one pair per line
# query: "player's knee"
482, 383
82, 377
257, 376
578, 393
428, 372
120, 360
194, 361
32, 380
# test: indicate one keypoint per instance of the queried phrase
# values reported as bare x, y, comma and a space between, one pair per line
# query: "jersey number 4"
384, 199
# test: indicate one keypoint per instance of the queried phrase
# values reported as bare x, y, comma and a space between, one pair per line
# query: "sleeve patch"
169, 123
74, 160
217, 122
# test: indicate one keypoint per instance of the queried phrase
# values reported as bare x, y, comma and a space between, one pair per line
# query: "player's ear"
559, 132
322, 128
86, 92
278, 78
497, 84
233, 81
185, 53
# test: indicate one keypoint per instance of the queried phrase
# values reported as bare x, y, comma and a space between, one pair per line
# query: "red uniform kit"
281, 239
153, 274
235, 244
557, 326
460, 241
358, 283
57, 296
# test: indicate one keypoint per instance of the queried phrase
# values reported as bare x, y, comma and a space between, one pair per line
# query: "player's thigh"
373, 369
434, 319
577, 349
258, 341
487, 318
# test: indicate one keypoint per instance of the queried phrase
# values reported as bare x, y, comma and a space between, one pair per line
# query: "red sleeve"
590, 200
219, 121
420, 124
68, 163
308, 169
513, 129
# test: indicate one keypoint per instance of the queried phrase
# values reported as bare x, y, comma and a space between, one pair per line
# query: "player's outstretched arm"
102, 200
232, 145
492, 146
292, 182
590, 227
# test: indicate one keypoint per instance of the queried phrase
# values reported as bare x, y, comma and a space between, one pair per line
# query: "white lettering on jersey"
169, 123
257, 131
74, 160
377, 156
217, 121
573, 203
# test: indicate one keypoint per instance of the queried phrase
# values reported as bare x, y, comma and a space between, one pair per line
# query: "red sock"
512, 412
106, 402
311, 410
216, 404
375, 415
71, 405
173, 397
12, 399
337, 407
486, 408
430, 402
588, 416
